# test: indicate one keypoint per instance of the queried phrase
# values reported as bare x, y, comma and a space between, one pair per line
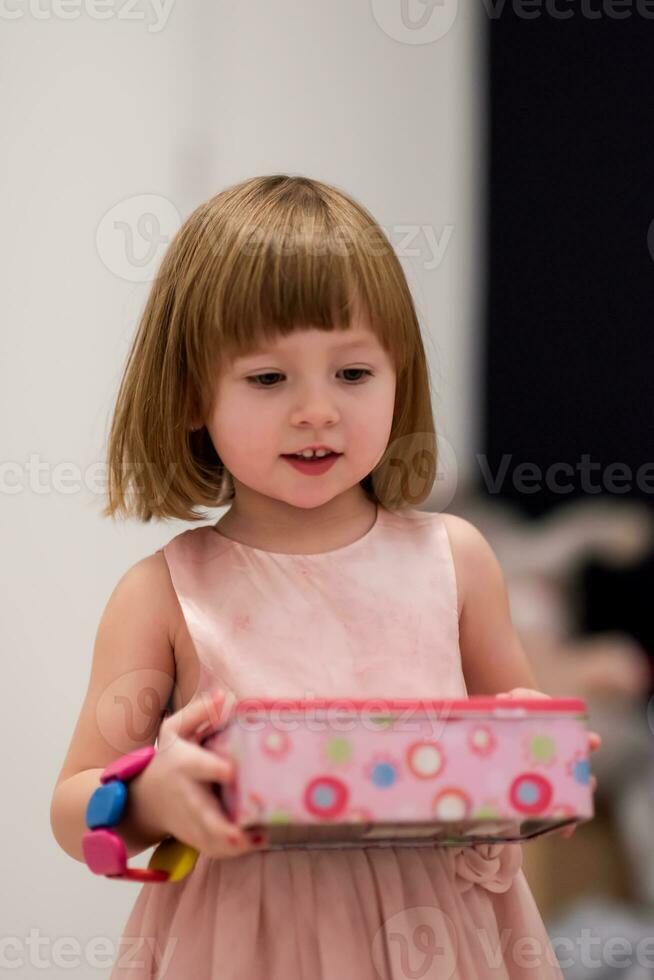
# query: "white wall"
103, 113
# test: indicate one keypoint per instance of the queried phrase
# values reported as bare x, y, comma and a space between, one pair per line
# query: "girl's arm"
493, 659
492, 655
132, 676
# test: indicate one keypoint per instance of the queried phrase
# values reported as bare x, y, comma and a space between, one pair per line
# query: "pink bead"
104, 852
128, 765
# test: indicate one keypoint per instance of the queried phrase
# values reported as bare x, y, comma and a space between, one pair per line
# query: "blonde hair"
256, 261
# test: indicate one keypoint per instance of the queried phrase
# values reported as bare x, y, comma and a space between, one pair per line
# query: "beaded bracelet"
104, 851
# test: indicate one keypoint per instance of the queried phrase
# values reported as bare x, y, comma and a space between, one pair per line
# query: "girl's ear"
196, 422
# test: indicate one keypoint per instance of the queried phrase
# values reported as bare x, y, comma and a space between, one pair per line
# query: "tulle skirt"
375, 913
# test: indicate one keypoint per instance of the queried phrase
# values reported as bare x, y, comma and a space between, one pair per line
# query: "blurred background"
561, 485
502, 146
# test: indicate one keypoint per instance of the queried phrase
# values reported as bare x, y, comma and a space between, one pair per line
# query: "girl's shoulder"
478, 570
464, 536
469, 550
148, 581
151, 578
464, 541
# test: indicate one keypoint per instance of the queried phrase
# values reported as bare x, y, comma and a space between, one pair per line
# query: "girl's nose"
317, 408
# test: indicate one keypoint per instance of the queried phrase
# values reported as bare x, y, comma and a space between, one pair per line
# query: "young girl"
281, 322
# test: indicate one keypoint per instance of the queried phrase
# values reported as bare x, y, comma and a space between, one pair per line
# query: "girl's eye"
359, 371
254, 379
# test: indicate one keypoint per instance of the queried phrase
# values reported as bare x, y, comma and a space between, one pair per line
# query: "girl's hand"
594, 740
172, 792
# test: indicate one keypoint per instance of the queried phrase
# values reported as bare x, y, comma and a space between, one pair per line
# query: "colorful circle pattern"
452, 803
581, 771
425, 759
326, 797
275, 744
338, 749
530, 793
481, 740
542, 748
383, 774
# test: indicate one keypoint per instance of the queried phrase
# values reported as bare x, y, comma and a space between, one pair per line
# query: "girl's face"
313, 387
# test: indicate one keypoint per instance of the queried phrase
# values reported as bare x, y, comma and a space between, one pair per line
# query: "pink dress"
376, 618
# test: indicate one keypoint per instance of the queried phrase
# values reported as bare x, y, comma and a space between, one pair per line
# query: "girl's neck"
276, 526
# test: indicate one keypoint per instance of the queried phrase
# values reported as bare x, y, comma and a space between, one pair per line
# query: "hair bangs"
257, 261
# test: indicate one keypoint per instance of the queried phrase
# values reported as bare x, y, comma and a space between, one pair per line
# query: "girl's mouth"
315, 466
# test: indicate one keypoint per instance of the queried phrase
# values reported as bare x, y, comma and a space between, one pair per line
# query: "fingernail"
256, 838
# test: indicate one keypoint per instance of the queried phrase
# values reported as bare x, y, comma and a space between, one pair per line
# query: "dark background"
570, 327
569, 339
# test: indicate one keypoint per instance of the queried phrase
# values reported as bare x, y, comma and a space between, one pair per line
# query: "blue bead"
106, 806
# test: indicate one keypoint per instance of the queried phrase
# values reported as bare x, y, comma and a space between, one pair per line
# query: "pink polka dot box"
335, 773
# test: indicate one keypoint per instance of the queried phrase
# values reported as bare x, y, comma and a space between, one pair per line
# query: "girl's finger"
206, 708
594, 740
523, 692
221, 828
208, 766
212, 819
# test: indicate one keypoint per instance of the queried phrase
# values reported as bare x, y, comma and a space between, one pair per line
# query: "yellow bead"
176, 858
